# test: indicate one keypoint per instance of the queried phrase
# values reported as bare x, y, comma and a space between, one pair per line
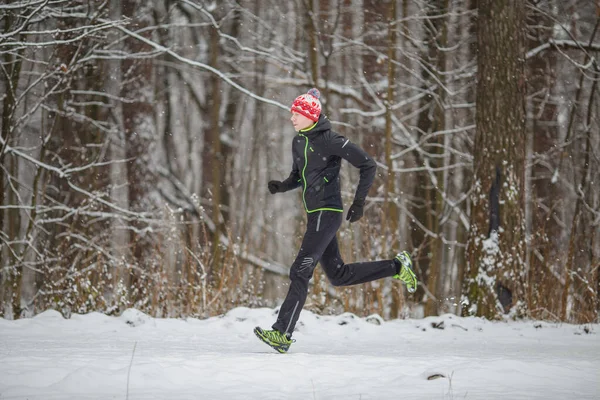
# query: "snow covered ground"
339, 357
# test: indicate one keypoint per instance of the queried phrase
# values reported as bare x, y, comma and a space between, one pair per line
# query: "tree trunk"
543, 195
234, 101
391, 207
440, 9
119, 194
139, 132
575, 240
313, 53
374, 32
10, 278
495, 249
430, 183
462, 235
214, 152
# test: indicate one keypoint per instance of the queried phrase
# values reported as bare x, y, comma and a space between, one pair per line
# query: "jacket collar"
321, 126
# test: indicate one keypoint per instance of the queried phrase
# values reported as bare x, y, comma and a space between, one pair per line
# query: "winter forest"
138, 137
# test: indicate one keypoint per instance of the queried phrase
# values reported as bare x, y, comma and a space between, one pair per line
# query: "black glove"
275, 187
355, 212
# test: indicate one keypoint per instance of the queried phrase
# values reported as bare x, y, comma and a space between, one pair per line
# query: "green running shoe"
275, 339
406, 273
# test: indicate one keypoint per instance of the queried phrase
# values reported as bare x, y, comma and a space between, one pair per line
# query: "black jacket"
317, 155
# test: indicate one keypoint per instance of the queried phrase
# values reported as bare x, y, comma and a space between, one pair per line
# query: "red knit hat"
308, 104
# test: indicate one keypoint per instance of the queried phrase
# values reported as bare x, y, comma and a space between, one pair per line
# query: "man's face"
300, 121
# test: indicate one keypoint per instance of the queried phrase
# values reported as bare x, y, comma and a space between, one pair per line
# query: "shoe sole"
414, 278
412, 275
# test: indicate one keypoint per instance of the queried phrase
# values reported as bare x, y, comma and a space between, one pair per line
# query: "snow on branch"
23, 4
235, 40
107, 95
24, 23
202, 66
91, 29
34, 161
573, 44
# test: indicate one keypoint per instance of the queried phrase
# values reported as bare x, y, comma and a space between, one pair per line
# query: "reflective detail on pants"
319, 221
306, 262
291, 318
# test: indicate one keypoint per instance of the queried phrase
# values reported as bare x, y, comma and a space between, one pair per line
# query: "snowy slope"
338, 357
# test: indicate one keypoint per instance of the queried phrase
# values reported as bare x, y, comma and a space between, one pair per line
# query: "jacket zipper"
304, 169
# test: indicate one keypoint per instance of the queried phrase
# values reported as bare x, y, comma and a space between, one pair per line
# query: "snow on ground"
338, 357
